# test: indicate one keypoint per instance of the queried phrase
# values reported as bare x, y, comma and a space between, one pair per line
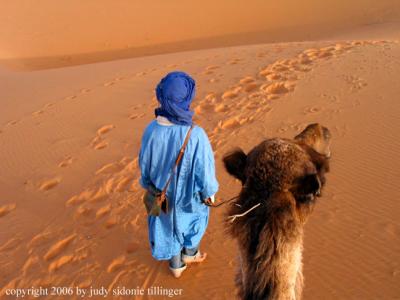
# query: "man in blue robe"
176, 235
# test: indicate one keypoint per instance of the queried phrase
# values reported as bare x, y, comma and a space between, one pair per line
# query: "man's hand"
210, 200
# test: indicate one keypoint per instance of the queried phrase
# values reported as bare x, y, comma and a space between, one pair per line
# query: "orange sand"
70, 202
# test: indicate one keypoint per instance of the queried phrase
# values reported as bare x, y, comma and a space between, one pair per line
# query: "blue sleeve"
205, 167
145, 160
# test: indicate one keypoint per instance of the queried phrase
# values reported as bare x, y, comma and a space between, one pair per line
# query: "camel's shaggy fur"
284, 176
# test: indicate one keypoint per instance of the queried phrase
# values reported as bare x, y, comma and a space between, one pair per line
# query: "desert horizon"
77, 88
42, 36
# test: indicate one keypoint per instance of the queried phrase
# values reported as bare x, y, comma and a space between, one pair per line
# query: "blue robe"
194, 181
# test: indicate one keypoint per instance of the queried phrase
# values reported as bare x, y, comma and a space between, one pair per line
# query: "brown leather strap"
178, 159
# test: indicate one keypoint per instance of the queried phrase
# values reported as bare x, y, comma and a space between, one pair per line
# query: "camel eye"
306, 187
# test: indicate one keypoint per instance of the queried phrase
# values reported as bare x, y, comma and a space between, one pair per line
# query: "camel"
281, 179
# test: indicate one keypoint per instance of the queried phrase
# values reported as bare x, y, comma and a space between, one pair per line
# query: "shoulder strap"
178, 159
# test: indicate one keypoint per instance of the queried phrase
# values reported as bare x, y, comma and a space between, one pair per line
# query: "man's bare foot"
197, 258
178, 272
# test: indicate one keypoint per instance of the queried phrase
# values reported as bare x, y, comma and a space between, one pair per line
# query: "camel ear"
235, 163
305, 188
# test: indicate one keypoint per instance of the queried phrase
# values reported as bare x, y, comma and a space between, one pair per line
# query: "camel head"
276, 166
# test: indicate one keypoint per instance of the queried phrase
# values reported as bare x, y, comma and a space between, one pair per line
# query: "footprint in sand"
11, 244
265, 72
102, 211
301, 68
325, 52
136, 116
116, 264
11, 123
208, 72
98, 142
275, 76
84, 196
109, 83
278, 67
40, 239
54, 266
281, 87
100, 145
203, 107
84, 91
142, 271
117, 184
211, 97
207, 103
360, 43
343, 46
109, 168
30, 264
246, 80
49, 105
232, 123
6, 209
104, 129
304, 59
98, 194
231, 93
213, 67
234, 61
85, 283
59, 247
111, 222
273, 97
250, 87
49, 184
255, 95
65, 162
311, 53
312, 110
355, 83
283, 129
37, 113
252, 105
123, 184
221, 107
83, 211
71, 97
137, 106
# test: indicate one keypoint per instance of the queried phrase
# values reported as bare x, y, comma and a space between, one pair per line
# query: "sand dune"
52, 35
70, 202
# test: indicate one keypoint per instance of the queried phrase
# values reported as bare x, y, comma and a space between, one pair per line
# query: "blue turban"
175, 92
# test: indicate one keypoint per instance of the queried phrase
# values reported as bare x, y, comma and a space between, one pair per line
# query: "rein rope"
233, 217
